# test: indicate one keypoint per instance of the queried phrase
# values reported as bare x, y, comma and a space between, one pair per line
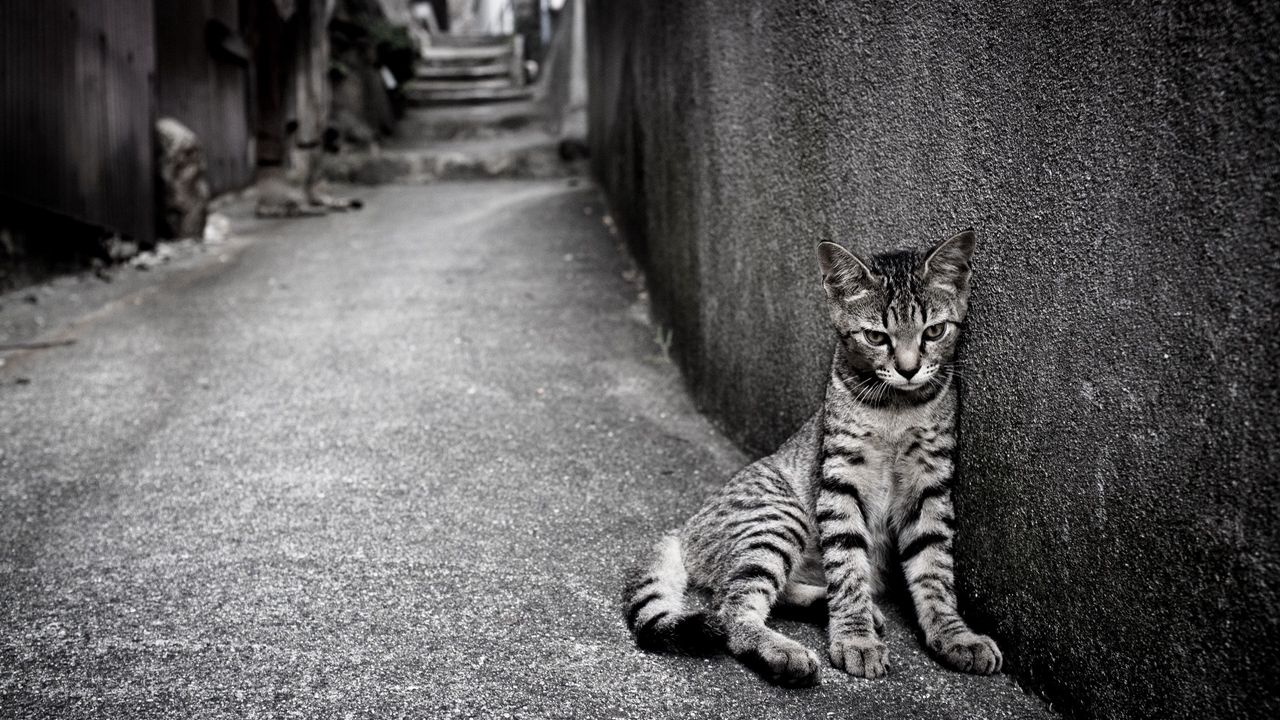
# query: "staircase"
455, 70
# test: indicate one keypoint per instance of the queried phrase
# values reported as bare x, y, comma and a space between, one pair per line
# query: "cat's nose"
908, 373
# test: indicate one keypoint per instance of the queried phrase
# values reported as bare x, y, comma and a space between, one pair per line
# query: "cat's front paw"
861, 656
970, 652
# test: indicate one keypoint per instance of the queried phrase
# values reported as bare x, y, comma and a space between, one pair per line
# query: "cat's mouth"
904, 385
908, 388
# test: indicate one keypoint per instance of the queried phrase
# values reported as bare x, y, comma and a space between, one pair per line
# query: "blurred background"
122, 119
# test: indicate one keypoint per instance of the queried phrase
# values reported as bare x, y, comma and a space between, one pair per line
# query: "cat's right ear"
842, 272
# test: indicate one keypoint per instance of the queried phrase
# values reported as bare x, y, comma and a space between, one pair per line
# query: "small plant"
663, 338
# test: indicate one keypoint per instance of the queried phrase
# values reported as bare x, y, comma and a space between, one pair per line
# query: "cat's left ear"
948, 262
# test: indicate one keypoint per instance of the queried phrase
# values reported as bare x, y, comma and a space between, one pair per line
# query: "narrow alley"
377, 465
354, 354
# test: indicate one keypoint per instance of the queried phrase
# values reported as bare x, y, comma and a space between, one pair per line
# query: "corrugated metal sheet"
76, 88
203, 89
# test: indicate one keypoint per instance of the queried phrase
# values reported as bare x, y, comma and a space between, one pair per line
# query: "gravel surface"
382, 464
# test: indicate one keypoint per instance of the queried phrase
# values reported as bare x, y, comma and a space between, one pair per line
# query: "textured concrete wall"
1118, 476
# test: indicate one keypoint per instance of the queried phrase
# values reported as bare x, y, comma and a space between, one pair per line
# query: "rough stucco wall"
1117, 489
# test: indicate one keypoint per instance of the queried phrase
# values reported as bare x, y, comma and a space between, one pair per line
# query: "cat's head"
898, 314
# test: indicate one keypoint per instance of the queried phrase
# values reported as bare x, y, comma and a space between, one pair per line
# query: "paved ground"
381, 464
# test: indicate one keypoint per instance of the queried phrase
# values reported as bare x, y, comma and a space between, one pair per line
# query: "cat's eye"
875, 337
935, 331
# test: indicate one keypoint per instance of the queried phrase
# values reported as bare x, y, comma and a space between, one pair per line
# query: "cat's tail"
654, 600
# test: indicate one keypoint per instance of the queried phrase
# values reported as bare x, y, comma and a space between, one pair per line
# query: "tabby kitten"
865, 483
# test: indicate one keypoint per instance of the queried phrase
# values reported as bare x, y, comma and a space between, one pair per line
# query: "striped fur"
656, 610
863, 486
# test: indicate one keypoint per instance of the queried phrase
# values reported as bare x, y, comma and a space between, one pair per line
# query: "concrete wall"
1118, 476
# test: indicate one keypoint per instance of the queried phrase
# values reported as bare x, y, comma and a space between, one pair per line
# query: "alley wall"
204, 89
76, 110
1117, 491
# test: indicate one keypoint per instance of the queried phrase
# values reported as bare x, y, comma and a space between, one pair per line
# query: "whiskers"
881, 392
945, 373
864, 388
871, 391
938, 380
875, 390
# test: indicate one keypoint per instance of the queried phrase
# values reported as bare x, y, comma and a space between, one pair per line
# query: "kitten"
864, 484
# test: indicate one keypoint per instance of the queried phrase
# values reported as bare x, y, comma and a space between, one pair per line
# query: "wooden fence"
204, 83
76, 110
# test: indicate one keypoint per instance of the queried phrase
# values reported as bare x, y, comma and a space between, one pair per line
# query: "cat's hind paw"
783, 662
861, 656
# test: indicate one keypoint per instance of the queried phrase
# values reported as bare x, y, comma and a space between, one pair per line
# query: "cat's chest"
882, 437
886, 433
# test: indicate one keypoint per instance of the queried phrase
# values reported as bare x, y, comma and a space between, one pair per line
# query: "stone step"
435, 123
451, 40
420, 85
439, 72
428, 92
439, 54
519, 155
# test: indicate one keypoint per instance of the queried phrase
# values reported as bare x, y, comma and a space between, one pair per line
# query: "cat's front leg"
924, 549
854, 646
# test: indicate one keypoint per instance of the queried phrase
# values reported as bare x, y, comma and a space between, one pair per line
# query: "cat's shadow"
811, 621
815, 614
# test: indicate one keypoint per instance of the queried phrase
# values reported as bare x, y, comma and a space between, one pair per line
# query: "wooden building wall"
76, 110
204, 88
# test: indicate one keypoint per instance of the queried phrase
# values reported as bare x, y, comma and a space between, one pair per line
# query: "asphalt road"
383, 464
